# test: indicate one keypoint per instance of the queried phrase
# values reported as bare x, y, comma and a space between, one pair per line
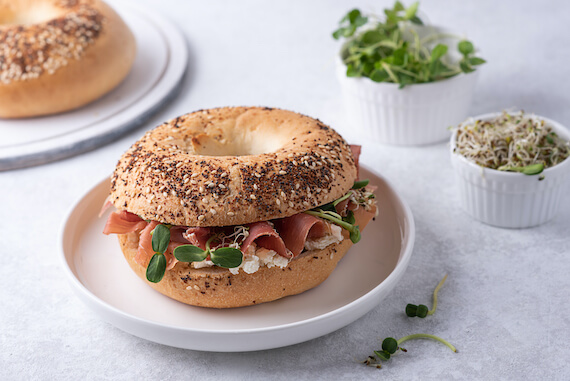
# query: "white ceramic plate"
101, 277
161, 61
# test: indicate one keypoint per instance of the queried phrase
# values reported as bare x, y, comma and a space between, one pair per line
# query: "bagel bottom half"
216, 287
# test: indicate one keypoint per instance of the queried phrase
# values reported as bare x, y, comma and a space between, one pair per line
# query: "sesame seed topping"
28, 52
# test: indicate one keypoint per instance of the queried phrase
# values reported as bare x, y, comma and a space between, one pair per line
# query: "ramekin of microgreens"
512, 168
404, 83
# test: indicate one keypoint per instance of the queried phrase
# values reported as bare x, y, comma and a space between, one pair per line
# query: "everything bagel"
275, 188
57, 55
232, 166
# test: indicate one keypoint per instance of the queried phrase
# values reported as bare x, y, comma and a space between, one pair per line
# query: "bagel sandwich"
238, 206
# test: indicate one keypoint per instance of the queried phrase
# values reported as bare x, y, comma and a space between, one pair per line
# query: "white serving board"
160, 64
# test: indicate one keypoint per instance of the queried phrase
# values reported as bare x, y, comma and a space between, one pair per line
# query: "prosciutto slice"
296, 229
264, 235
196, 236
356, 154
145, 251
123, 222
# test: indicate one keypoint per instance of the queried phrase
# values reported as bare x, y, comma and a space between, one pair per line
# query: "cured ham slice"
145, 251
356, 154
264, 235
197, 236
123, 222
362, 218
105, 206
296, 229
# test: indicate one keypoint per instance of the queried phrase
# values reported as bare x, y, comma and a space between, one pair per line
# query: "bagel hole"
244, 143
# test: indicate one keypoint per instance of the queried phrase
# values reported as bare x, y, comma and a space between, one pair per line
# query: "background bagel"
232, 166
59, 55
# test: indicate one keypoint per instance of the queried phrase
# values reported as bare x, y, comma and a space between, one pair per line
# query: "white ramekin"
510, 199
418, 114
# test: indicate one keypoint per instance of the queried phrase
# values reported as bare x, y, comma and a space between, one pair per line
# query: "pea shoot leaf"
160, 238
465, 47
350, 217
476, 61
360, 184
352, 71
156, 268
379, 75
465, 67
390, 345
355, 235
411, 11
398, 6
226, 257
190, 253
439, 51
533, 169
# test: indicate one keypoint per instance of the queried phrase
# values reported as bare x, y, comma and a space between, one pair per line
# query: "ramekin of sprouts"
512, 168
403, 82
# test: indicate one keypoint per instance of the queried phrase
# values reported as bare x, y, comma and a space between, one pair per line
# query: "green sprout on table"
422, 310
390, 346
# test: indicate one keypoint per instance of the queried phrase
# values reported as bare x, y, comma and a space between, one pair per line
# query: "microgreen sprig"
226, 257
390, 346
421, 310
392, 51
328, 212
337, 220
157, 265
360, 184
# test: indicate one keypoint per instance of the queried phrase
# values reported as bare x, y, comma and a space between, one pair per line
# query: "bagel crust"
58, 55
232, 166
